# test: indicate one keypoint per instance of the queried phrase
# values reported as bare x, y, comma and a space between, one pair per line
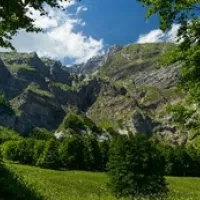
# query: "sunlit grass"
78, 185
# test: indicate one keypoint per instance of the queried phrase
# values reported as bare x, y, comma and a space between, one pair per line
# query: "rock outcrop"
38, 111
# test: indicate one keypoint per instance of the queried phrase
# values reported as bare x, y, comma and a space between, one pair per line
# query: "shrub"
8, 134
18, 151
104, 149
49, 157
10, 151
5, 103
71, 153
37, 151
92, 153
41, 134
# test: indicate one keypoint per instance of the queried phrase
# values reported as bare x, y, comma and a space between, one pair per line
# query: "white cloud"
59, 39
66, 4
43, 22
172, 34
153, 36
158, 36
81, 9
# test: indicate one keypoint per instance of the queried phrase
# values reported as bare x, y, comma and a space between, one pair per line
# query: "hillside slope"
126, 89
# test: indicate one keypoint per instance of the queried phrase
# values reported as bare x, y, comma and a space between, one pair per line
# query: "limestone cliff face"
4, 72
129, 89
38, 111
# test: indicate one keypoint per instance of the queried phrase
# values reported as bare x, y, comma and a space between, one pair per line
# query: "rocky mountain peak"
94, 63
111, 51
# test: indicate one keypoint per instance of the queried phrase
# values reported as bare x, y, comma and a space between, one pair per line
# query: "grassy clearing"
74, 185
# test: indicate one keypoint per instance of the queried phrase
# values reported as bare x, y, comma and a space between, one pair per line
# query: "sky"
87, 28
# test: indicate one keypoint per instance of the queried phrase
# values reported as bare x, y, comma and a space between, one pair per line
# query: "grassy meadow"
77, 185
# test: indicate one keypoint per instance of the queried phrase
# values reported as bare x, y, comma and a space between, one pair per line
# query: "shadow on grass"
13, 188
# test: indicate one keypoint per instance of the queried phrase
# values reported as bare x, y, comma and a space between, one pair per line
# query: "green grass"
74, 185
62, 86
10, 56
134, 55
5, 103
16, 67
43, 93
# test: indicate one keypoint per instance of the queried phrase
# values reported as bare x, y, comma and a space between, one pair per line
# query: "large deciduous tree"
13, 16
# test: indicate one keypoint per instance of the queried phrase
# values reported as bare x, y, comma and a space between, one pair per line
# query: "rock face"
91, 66
130, 91
58, 74
161, 78
142, 123
5, 74
95, 63
38, 111
111, 52
7, 118
69, 97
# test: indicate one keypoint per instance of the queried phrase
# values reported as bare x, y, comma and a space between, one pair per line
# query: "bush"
1, 156
41, 134
49, 157
181, 161
5, 103
8, 134
92, 153
10, 151
71, 153
104, 149
37, 151
18, 151
136, 168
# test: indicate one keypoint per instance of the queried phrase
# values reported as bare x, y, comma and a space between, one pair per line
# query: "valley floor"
77, 185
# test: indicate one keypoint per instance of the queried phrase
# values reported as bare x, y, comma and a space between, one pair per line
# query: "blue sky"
117, 22
87, 28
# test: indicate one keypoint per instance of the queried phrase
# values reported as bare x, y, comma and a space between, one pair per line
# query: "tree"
37, 151
10, 150
19, 151
1, 156
49, 158
13, 14
178, 162
171, 11
71, 153
136, 168
104, 149
186, 14
195, 157
92, 153
41, 134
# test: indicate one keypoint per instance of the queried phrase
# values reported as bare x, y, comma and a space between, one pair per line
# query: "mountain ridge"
126, 89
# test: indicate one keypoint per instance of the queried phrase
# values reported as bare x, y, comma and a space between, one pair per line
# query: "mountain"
127, 89
95, 63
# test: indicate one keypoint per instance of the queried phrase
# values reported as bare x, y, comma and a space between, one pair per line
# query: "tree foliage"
92, 153
13, 14
50, 156
136, 168
171, 11
71, 153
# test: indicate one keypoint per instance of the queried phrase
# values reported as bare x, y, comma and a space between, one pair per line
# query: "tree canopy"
13, 16
182, 12
136, 168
